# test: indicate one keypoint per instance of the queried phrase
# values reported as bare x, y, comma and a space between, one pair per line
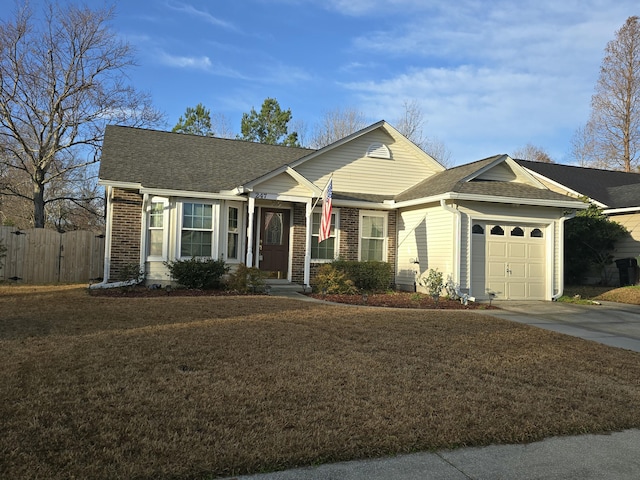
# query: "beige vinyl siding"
425, 234
504, 173
356, 173
412, 246
284, 184
630, 245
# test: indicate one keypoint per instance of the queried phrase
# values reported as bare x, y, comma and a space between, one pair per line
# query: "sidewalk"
585, 457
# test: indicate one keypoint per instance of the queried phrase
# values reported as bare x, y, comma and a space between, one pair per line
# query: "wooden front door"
274, 242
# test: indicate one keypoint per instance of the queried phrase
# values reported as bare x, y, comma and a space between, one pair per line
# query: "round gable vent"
378, 150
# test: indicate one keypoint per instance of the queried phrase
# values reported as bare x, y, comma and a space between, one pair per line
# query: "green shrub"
246, 279
330, 279
195, 273
368, 276
131, 271
433, 283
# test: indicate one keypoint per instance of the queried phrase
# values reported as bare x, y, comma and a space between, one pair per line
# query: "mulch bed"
402, 300
388, 299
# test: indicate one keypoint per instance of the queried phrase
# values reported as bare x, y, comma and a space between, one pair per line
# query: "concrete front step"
283, 288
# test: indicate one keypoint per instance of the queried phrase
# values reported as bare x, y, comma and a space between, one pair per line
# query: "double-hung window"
373, 236
233, 233
327, 249
157, 226
196, 236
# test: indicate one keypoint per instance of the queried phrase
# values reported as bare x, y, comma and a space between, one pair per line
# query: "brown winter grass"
199, 387
630, 294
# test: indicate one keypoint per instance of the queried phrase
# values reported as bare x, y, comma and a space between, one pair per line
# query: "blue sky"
489, 76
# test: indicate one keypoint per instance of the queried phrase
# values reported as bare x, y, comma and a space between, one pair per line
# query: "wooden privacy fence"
38, 255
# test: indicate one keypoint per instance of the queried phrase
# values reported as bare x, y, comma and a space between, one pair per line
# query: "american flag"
325, 222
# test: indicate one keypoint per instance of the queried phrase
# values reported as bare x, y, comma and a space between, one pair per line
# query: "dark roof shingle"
177, 161
612, 188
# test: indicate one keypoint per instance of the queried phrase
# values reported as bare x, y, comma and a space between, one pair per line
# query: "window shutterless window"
157, 225
196, 236
233, 232
325, 250
373, 236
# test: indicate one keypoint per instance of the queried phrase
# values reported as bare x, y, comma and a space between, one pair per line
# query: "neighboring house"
491, 225
617, 193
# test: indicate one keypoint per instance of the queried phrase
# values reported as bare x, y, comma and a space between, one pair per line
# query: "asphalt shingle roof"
452, 180
612, 188
177, 161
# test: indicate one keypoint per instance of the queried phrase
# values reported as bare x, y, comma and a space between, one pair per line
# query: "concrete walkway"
584, 457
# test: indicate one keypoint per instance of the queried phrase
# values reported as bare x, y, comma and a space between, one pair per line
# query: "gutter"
561, 259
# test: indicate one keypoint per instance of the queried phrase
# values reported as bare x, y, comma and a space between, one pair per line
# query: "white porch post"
251, 208
307, 245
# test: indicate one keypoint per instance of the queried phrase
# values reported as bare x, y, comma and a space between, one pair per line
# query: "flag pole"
322, 194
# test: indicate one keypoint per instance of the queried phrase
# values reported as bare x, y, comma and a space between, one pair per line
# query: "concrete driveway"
614, 324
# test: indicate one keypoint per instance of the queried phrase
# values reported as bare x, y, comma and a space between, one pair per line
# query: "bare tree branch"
61, 82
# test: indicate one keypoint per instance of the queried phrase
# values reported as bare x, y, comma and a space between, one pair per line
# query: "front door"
274, 242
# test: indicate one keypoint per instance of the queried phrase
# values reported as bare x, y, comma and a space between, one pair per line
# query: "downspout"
561, 257
143, 232
456, 239
307, 246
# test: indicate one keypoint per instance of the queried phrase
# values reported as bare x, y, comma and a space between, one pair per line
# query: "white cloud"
202, 15
197, 63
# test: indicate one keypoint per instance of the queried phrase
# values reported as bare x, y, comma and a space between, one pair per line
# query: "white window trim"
374, 213
336, 235
241, 237
165, 230
215, 226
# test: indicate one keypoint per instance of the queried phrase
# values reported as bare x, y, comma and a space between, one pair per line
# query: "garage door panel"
517, 250
496, 269
497, 249
536, 251
517, 289
536, 270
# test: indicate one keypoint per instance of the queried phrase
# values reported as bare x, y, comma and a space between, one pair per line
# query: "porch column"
251, 208
307, 245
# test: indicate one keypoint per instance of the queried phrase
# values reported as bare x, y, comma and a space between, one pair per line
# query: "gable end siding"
126, 222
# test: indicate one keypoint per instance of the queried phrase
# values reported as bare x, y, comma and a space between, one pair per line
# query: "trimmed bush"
246, 279
330, 279
196, 273
368, 276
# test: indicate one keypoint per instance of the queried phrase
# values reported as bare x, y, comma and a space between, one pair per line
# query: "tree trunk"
38, 205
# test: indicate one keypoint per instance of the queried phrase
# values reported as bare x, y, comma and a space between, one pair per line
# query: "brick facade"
349, 239
125, 230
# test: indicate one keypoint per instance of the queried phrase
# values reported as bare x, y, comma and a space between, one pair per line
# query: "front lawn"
197, 387
630, 294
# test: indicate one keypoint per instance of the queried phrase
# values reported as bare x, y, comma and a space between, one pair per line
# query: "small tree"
433, 283
269, 126
589, 240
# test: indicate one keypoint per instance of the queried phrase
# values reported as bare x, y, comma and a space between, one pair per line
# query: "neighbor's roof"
454, 180
177, 161
611, 188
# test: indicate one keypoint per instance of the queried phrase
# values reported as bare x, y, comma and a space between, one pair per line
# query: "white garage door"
514, 263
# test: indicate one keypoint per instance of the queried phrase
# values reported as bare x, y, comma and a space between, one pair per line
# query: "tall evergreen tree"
196, 121
269, 126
